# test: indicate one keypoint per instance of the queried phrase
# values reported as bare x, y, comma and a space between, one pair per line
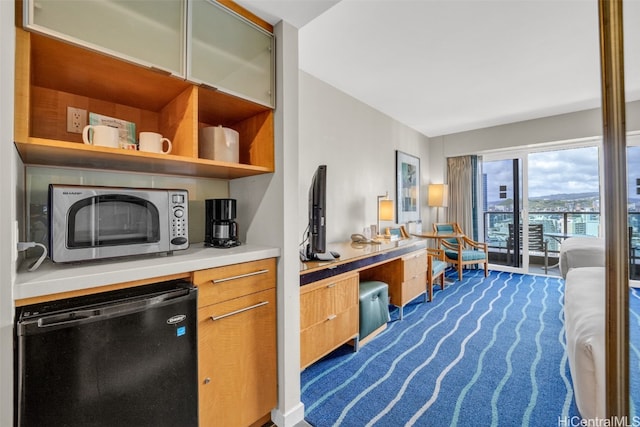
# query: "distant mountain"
567, 196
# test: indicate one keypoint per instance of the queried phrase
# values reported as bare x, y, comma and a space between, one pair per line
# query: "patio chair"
537, 242
461, 250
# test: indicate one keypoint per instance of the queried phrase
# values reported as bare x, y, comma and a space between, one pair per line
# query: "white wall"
267, 210
9, 181
358, 144
530, 133
564, 127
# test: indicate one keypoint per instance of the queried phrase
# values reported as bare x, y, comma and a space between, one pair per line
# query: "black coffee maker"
221, 231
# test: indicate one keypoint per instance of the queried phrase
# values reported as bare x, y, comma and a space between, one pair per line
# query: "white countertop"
52, 278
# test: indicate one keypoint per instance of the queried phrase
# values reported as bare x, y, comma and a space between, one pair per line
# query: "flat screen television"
316, 232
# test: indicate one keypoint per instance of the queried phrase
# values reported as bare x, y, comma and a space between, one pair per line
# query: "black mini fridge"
121, 358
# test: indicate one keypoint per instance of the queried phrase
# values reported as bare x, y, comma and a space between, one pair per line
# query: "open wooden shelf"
52, 75
44, 152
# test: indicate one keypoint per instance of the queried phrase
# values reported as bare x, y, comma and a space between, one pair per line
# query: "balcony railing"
557, 226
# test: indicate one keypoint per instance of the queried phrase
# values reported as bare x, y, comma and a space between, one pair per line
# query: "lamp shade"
438, 195
386, 210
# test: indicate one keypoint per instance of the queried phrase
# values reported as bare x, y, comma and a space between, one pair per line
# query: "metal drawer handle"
331, 285
333, 316
242, 310
241, 276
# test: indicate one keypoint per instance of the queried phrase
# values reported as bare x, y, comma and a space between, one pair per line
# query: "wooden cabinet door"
237, 360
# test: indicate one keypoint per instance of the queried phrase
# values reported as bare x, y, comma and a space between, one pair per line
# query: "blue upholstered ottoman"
374, 308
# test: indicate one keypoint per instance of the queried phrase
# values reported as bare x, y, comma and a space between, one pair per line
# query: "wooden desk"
355, 257
329, 290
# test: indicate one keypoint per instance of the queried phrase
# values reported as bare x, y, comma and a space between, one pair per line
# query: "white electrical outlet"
76, 119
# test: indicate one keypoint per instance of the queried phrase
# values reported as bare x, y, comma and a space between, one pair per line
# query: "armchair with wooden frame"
436, 265
461, 250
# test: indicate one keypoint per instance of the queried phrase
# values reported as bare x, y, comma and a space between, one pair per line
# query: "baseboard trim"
294, 417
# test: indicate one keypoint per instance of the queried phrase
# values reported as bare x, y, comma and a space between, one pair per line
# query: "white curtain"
460, 177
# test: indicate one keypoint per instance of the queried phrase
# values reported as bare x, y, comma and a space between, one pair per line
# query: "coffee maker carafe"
221, 231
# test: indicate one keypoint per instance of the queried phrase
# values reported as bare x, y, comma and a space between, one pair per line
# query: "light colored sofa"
582, 265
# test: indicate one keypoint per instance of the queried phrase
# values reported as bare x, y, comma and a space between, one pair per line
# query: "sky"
572, 170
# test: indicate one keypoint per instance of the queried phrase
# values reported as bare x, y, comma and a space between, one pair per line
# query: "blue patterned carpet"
486, 352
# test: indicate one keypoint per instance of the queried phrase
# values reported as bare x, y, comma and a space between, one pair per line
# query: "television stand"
327, 256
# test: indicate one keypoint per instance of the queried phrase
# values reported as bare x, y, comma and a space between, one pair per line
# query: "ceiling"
446, 66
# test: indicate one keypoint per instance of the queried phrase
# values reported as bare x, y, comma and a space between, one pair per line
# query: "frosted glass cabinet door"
230, 53
151, 33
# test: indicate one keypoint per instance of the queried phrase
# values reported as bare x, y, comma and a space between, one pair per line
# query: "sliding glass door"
548, 196
502, 206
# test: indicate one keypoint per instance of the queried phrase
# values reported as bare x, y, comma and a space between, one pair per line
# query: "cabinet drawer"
414, 264
323, 337
223, 283
327, 298
413, 287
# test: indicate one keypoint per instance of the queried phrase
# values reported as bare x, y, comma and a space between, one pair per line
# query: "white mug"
105, 136
153, 142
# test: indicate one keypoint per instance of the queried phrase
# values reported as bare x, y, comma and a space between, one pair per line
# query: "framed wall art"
407, 187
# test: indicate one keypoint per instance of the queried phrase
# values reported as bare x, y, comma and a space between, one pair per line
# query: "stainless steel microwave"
88, 223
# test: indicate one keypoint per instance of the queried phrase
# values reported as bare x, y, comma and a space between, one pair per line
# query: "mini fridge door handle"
71, 318
77, 317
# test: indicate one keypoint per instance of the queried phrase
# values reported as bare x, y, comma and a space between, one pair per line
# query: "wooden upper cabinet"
211, 43
228, 52
53, 74
149, 33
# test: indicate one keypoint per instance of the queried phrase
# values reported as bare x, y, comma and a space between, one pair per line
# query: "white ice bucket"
218, 143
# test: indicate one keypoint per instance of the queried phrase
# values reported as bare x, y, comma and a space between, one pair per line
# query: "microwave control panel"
178, 205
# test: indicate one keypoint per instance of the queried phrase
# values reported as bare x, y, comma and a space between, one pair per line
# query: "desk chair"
436, 265
462, 251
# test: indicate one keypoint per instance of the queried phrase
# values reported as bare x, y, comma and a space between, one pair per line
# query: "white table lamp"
438, 197
385, 210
